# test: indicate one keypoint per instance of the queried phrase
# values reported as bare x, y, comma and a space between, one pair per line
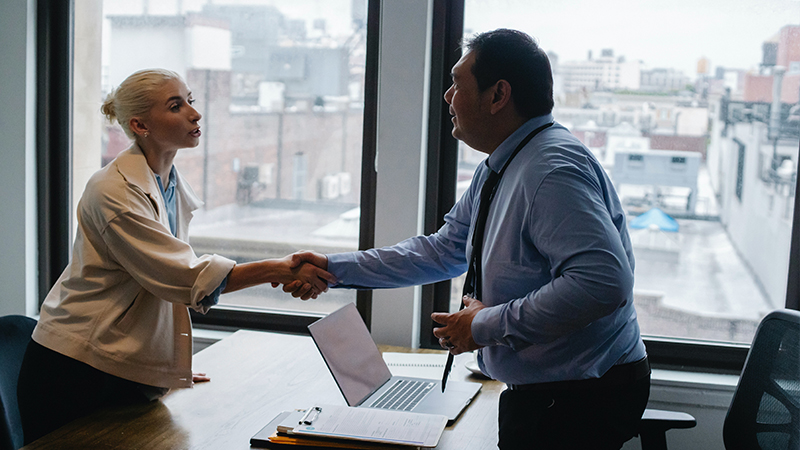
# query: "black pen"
307, 417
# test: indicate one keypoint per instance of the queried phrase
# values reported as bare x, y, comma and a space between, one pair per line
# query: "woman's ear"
137, 126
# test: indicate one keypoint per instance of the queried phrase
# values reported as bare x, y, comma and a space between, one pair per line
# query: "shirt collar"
170, 183
501, 154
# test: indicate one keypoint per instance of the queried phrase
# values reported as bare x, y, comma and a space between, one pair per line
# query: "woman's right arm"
313, 279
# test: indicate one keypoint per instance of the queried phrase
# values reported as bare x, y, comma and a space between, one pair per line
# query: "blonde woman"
115, 327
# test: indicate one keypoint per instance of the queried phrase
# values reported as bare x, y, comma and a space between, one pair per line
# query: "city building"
604, 73
663, 80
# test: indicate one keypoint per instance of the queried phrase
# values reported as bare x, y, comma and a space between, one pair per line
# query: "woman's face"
172, 122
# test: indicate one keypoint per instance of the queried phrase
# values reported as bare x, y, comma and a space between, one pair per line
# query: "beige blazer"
121, 304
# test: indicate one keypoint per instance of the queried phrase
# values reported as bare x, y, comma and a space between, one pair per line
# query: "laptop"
364, 378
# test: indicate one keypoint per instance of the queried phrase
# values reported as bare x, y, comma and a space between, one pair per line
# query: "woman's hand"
307, 280
302, 259
310, 279
199, 378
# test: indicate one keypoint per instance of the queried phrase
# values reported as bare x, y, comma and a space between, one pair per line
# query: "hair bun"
108, 108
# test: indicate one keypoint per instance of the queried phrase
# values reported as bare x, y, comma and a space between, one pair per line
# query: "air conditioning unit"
329, 187
345, 183
265, 174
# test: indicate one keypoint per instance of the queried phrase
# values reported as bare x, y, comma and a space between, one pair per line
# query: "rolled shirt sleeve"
163, 264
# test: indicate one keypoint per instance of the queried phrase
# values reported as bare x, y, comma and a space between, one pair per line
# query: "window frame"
668, 353
55, 43
54, 88
54, 68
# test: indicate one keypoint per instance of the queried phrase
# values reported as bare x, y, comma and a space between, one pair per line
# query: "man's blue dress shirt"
557, 263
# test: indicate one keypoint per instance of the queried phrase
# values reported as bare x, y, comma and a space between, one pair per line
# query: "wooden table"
255, 376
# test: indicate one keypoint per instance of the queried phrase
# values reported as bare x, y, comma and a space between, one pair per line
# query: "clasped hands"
311, 277
455, 335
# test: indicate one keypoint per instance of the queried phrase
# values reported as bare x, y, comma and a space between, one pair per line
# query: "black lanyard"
472, 284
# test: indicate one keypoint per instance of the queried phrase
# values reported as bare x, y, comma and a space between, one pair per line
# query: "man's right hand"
309, 256
298, 258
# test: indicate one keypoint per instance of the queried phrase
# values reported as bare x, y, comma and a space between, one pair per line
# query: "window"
280, 85
739, 168
727, 265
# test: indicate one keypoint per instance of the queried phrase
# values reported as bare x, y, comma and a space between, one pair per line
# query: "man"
553, 313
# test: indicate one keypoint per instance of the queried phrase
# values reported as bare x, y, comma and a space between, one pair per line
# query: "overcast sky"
674, 33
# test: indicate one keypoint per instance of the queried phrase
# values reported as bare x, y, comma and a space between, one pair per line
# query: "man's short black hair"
514, 56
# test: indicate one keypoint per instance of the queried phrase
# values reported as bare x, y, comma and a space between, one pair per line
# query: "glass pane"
280, 87
675, 100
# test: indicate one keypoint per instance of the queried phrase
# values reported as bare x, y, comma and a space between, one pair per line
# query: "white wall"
402, 137
163, 42
762, 212
86, 100
209, 48
692, 121
17, 147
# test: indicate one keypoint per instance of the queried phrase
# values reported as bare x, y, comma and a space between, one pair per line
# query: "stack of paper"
327, 426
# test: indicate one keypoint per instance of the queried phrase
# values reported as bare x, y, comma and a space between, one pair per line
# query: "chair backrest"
765, 411
15, 333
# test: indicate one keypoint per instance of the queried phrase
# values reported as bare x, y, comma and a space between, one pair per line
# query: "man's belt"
616, 376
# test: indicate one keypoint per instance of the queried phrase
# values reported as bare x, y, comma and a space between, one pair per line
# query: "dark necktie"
472, 283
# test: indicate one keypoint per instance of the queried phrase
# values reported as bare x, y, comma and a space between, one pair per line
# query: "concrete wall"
18, 170
765, 210
402, 131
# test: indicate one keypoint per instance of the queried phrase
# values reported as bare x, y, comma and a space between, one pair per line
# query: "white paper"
376, 425
418, 365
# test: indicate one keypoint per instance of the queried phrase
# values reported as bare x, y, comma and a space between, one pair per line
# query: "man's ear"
137, 126
501, 96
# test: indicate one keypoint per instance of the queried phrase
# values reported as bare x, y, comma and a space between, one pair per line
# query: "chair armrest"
660, 419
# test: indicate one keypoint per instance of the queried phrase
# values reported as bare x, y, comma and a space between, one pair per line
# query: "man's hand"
456, 334
309, 261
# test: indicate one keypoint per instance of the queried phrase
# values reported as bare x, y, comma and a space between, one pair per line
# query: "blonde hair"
134, 96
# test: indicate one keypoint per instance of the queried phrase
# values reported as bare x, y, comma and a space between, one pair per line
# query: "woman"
115, 327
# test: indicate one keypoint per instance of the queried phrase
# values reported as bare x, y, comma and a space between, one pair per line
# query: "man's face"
466, 103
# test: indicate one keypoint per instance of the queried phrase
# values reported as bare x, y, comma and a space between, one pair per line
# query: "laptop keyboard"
403, 395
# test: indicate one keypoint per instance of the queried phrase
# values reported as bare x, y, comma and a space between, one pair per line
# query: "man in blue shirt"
553, 317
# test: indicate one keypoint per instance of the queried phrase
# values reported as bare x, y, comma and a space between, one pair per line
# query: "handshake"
309, 275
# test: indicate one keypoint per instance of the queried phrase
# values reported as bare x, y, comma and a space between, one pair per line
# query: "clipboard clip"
310, 415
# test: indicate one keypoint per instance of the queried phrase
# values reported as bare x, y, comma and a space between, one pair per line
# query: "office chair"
765, 411
15, 333
655, 424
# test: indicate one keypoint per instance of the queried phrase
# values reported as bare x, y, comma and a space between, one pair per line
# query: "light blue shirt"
557, 263
168, 195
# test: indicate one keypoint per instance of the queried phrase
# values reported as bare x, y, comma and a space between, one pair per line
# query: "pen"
449, 364
310, 415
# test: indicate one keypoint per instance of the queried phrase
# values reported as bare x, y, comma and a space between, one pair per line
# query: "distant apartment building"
269, 48
781, 55
663, 80
601, 74
279, 118
752, 161
204, 42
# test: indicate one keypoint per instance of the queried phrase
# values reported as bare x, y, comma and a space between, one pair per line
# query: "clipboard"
270, 437
371, 425
326, 423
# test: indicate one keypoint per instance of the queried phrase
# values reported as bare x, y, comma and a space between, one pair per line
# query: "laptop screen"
350, 353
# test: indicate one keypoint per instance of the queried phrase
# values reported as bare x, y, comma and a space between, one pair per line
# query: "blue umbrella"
655, 217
